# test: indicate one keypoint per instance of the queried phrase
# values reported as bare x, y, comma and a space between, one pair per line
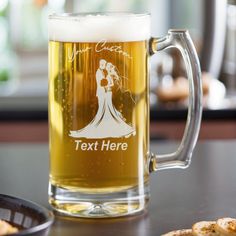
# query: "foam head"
114, 27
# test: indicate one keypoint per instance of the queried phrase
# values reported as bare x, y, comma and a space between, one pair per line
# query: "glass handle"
181, 158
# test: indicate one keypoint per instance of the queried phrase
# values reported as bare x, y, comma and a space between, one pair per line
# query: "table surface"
204, 191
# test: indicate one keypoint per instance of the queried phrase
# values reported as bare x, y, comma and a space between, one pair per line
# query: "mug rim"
80, 15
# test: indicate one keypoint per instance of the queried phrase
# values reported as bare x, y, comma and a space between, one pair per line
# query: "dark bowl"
28, 217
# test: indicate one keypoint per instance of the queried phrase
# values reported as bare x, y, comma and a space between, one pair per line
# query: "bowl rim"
37, 228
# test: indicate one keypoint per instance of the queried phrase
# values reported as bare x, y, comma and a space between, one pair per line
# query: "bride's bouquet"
104, 82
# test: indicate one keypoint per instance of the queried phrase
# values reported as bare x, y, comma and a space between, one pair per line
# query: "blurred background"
24, 64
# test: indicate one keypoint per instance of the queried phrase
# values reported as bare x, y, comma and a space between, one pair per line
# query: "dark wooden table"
205, 191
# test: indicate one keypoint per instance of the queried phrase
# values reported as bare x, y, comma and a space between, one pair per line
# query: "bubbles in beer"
73, 105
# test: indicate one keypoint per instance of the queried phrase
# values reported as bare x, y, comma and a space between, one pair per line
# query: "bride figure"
108, 122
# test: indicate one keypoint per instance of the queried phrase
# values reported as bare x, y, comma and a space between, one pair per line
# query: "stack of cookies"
221, 227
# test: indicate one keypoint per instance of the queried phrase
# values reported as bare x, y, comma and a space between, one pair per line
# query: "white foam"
93, 28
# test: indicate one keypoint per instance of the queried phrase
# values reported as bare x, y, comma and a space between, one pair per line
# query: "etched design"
108, 121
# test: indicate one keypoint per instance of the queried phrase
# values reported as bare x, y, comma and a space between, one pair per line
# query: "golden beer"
97, 164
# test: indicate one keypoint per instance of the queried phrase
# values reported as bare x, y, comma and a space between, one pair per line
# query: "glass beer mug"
99, 112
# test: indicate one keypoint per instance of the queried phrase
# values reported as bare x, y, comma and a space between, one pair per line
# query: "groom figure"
100, 90
100, 75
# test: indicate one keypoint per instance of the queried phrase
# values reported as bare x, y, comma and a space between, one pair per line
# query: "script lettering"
74, 53
102, 46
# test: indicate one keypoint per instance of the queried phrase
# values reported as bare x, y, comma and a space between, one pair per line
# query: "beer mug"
100, 160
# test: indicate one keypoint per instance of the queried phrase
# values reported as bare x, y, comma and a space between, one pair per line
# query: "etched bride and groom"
108, 122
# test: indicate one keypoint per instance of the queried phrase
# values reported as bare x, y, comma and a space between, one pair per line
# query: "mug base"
105, 205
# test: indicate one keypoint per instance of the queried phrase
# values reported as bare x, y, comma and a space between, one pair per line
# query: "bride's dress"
108, 122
